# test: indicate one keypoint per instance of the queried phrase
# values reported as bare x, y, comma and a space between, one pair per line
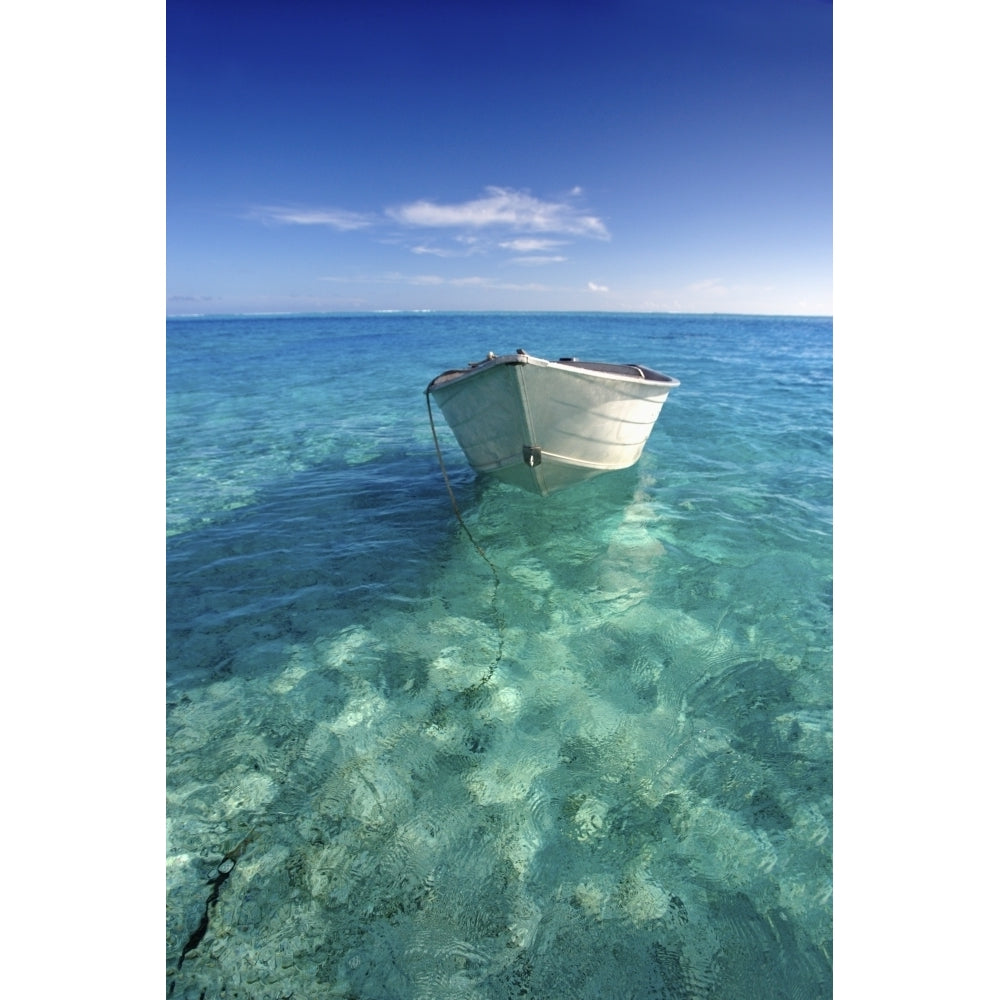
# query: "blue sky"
531, 154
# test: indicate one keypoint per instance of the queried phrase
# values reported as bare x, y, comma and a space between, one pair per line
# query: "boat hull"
546, 425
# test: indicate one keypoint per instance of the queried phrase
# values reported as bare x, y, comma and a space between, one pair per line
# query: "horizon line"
459, 312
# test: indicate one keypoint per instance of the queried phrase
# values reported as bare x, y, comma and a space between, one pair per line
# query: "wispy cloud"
594, 287
438, 251
535, 260
437, 280
340, 219
459, 248
529, 245
531, 230
503, 208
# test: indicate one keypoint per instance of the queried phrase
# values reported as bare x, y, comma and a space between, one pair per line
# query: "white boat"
545, 425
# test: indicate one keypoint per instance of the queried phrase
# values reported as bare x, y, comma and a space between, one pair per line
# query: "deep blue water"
604, 771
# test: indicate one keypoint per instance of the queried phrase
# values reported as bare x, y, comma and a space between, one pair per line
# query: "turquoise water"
596, 763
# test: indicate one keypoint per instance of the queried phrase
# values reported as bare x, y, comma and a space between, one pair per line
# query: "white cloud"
335, 218
535, 259
597, 288
465, 248
502, 207
526, 244
497, 208
435, 280
471, 281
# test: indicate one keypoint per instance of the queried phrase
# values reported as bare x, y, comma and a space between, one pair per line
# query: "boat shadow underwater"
339, 544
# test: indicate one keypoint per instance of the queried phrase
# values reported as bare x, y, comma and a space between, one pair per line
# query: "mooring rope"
489, 562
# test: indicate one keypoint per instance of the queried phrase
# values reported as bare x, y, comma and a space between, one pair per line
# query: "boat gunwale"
595, 369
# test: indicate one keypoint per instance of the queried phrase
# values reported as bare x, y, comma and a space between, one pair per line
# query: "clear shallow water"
605, 772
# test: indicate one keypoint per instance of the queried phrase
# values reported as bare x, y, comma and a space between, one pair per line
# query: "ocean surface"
593, 760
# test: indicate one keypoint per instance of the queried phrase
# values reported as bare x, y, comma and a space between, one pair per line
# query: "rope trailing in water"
472, 689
